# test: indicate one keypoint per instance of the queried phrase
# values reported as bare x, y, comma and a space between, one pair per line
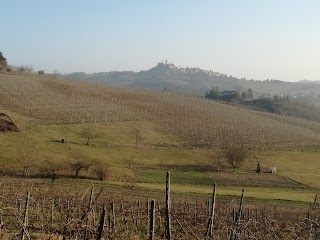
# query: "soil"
6, 124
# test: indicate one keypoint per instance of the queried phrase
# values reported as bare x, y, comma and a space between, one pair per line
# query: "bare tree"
129, 161
26, 68
55, 73
218, 157
89, 134
79, 163
26, 155
235, 156
52, 167
101, 169
137, 136
258, 155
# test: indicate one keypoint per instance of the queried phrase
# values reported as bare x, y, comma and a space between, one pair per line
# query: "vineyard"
141, 134
34, 209
199, 122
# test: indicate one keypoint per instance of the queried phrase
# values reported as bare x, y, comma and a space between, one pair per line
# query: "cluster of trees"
232, 155
277, 104
229, 96
29, 161
236, 155
52, 167
285, 106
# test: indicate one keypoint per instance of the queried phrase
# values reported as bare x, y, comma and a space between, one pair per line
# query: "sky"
274, 39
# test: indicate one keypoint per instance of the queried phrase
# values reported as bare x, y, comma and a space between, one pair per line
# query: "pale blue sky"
245, 38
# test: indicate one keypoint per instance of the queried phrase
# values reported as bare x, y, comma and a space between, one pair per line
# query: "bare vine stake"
315, 202
168, 220
1, 220
52, 211
233, 214
42, 212
113, 214
239, 215
87, 217
18, 205
211, 218
148, 210
152, 220
208, 207
310, 222
25, 217
316, 227
101, 223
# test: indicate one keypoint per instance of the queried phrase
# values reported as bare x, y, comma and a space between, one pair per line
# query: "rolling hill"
197, 81
139, 134
195, 121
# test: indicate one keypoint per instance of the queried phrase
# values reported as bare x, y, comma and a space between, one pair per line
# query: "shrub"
101, 170
52, 167
235, 156
79, 163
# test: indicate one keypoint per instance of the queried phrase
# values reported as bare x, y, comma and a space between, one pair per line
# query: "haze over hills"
197, 81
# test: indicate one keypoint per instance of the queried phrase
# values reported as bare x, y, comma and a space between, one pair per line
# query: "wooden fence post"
167, 212
239, 215
211, 217
148, 210
101, 223
52, 211
87, 216
25, 217
113, 214
152, 220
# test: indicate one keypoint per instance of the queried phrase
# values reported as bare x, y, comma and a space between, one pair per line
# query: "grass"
192, 171
262, 193
206, 176
273, 187
300, 166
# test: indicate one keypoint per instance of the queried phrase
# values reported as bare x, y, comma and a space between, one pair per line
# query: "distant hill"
197, 81
197, 122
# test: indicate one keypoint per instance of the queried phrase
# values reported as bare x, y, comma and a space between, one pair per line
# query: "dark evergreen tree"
213, 94
3, 60
249, 93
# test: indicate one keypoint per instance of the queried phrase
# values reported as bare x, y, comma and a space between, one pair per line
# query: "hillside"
198, 81
195, 121
136, 135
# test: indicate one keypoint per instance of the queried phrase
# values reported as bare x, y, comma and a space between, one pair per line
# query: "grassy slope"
197, 121
191, 169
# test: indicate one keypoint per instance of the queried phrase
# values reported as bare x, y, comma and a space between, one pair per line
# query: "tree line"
278, 104
228, 96
29, 160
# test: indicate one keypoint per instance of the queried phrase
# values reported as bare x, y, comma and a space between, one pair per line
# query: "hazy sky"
245, 38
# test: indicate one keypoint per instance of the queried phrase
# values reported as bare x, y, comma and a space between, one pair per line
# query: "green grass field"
144, 167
